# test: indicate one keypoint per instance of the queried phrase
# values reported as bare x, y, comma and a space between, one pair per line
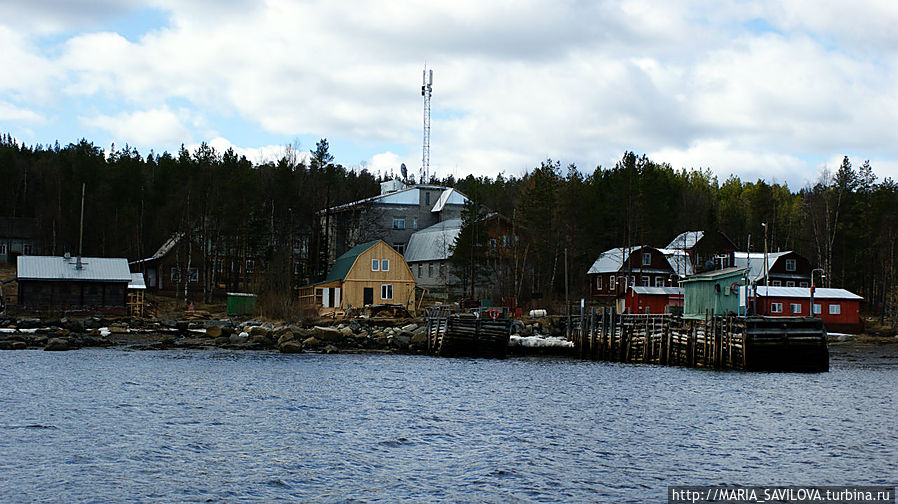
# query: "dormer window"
790, 264
646, 259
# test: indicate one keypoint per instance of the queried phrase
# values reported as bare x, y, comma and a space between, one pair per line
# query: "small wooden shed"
73, 283
367, 274
713, 291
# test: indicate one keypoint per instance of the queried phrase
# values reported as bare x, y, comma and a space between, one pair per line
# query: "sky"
777, 90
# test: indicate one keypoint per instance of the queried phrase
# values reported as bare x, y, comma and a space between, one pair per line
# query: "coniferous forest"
844, 223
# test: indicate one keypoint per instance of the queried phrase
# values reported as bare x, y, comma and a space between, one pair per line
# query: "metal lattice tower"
426, 91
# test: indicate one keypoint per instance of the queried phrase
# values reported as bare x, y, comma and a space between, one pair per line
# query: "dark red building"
840, 309
653, 299
638, 266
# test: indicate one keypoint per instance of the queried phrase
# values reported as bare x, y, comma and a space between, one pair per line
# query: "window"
795, 308
415, 223
375, 264
250, 266
835, 309
790, 283
175, 274
598, 282
645, 281
442, 271
612, 282
633, 281
776, 307
386, 291
505, 241
776, 283
398, 222
420, 270
816, 308
26, 248
493, 243
385, 265
646, 258
399, 247
193, 275
219, 265
426, 197
659, 281
790, 264
2, 248
803, 284
429, 270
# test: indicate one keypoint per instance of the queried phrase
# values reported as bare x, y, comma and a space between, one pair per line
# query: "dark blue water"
220, 426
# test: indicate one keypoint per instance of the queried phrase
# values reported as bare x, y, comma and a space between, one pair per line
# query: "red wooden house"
642, 266
840, 309
653, 299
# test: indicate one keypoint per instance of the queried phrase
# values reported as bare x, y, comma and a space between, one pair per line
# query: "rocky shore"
351, 336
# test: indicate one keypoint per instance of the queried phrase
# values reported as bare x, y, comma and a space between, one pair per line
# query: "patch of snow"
539, 341
104, 331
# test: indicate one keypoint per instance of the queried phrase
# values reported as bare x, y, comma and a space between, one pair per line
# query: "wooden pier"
717, 342
451, 335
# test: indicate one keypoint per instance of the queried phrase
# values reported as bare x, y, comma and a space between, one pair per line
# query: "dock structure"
450, 335
717, 342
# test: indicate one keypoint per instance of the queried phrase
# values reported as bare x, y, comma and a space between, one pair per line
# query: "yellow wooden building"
368, 274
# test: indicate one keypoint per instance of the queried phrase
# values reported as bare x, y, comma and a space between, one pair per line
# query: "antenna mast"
426, 91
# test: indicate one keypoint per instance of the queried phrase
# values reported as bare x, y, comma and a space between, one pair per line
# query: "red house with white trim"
840, 309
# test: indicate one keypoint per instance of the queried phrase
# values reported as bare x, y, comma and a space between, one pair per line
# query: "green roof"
344, 262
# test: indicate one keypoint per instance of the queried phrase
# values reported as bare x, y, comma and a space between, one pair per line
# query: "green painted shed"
713, 291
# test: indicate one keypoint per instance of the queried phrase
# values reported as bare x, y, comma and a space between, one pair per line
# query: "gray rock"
58, 344
329, 349
259, 331
328, 334
310, 342
291, 346
419, 340
402, 339
238, 339
409, 327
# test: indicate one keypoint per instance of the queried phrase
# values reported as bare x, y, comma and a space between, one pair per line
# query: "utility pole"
426, 92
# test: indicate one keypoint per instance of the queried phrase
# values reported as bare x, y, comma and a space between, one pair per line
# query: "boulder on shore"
328, 334
290, 346
58, 345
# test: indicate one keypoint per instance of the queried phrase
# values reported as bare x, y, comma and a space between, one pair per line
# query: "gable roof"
679, 260
685, 240
164, 249
344, 263
93, 269
410, 196
433, 243
754, 262
658, 291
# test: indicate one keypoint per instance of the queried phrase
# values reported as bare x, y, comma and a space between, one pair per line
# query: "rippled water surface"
111, 425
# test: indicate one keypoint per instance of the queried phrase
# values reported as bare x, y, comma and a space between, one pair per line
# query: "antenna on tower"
426, 91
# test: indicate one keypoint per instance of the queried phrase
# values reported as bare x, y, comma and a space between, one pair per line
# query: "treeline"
844, 223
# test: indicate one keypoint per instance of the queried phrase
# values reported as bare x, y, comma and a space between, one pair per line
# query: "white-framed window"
790, 264
790, 283
175, 274
375, 264
776, 283
420, 270
399, 247
776, 307
646, 258
193, 274
385, 265
2, 248
598, 282
442, 270
398, 222
835, 309
429, 270
386, 291
659, 281
817, 309
612, 282
646, 281
27, 248
795, 308
803, 284
250, 266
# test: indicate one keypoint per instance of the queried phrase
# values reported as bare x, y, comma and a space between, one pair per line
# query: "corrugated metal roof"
137, 282
449, 197
611, 261
679, 260
344, 262
754, 262
685, 240
707, 275
665, 291
433, 243
805, 293
94, 269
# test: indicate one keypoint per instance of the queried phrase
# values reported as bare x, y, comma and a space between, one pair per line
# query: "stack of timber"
718, 342
450, 335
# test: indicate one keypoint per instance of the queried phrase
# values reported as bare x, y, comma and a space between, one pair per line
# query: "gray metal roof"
805, 293
93, 269
433, 243
611, 261
679, 260
164, 249
137, 282
685, 240
667, 291
754, 261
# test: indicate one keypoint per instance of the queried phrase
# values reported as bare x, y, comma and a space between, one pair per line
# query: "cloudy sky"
761, 89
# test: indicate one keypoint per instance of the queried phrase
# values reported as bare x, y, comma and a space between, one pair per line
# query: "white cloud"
12, 113
143, 128
514, 83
